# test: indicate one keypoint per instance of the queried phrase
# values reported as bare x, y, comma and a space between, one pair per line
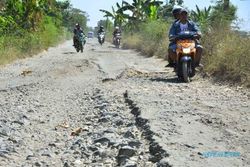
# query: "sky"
92, 8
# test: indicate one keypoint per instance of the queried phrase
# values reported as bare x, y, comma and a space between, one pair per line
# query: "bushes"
227, 56
27, 27
23, 43
49, 33
150, 40
132, 41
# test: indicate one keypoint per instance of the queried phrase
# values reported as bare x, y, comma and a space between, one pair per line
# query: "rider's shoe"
199, 65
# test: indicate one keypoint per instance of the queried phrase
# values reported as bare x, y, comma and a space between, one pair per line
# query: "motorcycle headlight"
186, 50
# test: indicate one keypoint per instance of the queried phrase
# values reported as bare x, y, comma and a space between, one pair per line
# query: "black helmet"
101, 27
176, 9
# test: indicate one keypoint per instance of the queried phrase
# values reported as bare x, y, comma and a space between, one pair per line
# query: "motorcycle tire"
81, 48
117, 45
185, 71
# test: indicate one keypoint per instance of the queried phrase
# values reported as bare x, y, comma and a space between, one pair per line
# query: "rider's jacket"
176, 28
117, 32
76, 31
100, 31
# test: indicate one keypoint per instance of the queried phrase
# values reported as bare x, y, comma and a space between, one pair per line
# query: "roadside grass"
226, 54
151, 40
23, 44
132, 41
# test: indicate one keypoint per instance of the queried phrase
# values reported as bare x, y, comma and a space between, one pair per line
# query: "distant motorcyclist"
101, 30
176, 13
77, 30
183, 24
116, 31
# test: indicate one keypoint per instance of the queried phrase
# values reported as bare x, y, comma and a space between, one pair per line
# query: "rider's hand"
197, 36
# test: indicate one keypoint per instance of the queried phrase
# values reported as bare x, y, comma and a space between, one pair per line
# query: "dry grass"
227, 56
150, 40
132, 42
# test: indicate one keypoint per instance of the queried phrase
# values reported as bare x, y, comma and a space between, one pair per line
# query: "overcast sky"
92, 8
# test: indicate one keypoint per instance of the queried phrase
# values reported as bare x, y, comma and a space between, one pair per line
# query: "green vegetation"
27, 27
226, 52
141, 10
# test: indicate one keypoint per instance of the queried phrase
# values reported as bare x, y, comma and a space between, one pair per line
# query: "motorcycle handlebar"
184, 36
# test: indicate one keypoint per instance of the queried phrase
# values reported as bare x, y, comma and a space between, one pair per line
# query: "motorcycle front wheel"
185, 71
117, 43
81, 48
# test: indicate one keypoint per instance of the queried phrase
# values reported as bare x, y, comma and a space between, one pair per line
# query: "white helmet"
176, 9
117, 28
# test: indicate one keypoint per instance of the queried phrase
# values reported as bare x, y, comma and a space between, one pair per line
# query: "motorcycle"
80, 42
117, 40
186, 53
101, 38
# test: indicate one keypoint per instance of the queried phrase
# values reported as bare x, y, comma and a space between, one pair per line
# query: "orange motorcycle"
186, 52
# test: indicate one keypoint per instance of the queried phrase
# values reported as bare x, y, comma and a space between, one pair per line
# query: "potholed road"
114, 107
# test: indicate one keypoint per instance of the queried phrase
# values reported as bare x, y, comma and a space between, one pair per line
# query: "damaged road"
114, 107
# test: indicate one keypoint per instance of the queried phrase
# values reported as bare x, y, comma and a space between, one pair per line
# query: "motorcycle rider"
76, 31
183, 24
176, 13
116, 31
100, 31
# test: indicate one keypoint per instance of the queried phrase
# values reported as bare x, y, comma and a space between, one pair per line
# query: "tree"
223, 12
166, 10
151, 8
226, 5
31, 15
202, 17
142, 9
26, 13
75, 16
117, 15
